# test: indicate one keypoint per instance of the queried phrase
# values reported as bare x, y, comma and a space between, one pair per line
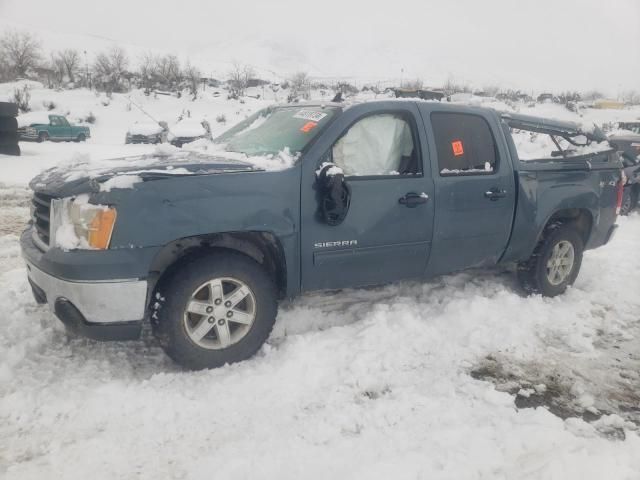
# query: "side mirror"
334, 194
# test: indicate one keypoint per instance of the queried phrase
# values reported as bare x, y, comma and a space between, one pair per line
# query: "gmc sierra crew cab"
204, 245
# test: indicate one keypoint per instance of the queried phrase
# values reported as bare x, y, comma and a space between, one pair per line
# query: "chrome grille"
42, 215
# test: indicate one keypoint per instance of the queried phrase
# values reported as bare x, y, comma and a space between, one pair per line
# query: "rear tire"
225, 331
81, 138
555, 262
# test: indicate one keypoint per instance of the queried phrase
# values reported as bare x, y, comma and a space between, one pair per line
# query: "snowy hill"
481, 43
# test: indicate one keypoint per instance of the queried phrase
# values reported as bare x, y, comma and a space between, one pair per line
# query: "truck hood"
82, 176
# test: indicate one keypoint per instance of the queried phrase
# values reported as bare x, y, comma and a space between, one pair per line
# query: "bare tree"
4, 69
70, 59
192, 75
300, 86
238, 79
630, 97
491, 90
20, 51
168, 70
57, 69
415, 84
110, 68
148, 71
593, 95
22, 97
451, 86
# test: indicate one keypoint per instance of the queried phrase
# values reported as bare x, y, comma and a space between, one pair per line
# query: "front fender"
156, 213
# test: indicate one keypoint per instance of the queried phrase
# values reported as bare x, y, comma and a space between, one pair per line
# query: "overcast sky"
534, 44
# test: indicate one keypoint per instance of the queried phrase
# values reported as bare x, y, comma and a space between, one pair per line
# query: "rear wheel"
217, 309
555, 263
81, 138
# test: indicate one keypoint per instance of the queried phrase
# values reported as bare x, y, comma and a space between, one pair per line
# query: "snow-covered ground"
462, 377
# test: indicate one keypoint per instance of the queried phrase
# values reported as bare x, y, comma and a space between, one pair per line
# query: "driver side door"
386, 233
59, 128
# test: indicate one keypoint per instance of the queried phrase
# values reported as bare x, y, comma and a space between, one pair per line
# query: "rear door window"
464, 143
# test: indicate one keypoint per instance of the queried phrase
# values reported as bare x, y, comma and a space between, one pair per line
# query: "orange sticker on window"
307, 127
457, 147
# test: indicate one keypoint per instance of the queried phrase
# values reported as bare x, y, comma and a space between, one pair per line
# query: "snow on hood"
34, 118
188, 128
144, 129
203, 158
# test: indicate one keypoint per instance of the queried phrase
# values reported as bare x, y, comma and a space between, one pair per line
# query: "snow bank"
355, 384
371, 383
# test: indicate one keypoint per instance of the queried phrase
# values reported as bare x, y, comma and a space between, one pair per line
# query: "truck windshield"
276, 129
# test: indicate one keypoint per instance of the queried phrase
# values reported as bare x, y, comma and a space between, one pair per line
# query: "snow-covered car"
189, 130
141, 132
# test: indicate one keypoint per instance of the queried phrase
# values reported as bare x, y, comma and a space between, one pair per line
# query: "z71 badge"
339, 243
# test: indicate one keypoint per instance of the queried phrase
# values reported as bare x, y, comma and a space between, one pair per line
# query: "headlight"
76, 223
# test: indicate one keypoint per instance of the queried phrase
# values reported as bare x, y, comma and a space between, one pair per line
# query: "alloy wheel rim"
560, 262
219, 313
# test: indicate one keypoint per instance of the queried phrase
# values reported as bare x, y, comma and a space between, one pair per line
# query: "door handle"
412, 200
494, 194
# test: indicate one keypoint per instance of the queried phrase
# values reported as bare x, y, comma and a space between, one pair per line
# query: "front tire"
43, 137
217, 309
555, 262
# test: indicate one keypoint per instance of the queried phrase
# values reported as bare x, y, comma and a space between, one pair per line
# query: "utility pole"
86, 63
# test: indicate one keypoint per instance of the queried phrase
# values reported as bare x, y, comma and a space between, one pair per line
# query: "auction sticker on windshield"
310, 115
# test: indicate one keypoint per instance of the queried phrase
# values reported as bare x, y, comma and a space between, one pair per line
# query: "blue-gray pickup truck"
203, 246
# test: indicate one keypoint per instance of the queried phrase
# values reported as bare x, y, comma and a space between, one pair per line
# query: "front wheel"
555, 262
43, 137
217, 309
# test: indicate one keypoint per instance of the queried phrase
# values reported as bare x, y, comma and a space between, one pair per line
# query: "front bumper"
103, 310
28, 137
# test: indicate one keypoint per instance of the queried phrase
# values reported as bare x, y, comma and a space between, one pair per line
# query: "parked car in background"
42, 126
149, 132
629, 148
631, 126
189, 130
205, 246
